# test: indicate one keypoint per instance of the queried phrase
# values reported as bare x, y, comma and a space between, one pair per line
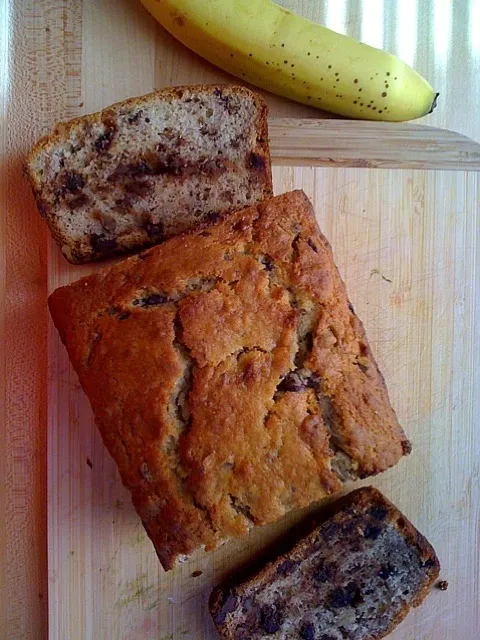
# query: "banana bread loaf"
151, 167
354, 577
229, 376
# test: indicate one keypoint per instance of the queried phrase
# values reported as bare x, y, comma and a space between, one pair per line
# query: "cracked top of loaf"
229, 376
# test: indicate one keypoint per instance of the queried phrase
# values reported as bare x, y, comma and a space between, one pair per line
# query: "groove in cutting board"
351, 143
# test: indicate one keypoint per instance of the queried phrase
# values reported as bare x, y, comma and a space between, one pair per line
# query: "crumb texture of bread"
151, 167
229, 376
354, 577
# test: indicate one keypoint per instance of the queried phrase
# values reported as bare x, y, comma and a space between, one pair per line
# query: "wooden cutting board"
407, 244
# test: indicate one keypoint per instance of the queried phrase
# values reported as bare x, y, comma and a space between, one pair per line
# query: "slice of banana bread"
151, 167
354, 577
229, 376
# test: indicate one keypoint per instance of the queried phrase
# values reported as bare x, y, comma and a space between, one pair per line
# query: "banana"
270, 47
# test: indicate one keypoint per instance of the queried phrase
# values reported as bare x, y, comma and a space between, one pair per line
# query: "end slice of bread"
354, 576
151, 167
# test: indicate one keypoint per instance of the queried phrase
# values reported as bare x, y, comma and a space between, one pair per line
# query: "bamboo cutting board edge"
350, 143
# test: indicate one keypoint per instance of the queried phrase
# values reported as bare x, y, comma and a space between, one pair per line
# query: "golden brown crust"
217, 366
78, 250
357, 505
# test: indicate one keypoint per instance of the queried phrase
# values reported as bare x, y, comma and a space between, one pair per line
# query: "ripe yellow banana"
268, 46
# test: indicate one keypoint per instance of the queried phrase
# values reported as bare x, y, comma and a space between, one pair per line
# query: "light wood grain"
25, 320
350, 143
4, 41
61, 58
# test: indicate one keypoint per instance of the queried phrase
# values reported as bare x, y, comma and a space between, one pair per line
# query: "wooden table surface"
406, 242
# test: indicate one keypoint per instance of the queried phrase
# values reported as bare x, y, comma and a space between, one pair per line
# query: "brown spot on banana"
178, 19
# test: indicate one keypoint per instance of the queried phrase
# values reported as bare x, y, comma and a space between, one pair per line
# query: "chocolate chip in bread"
353, 577
229, 376
148, 168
